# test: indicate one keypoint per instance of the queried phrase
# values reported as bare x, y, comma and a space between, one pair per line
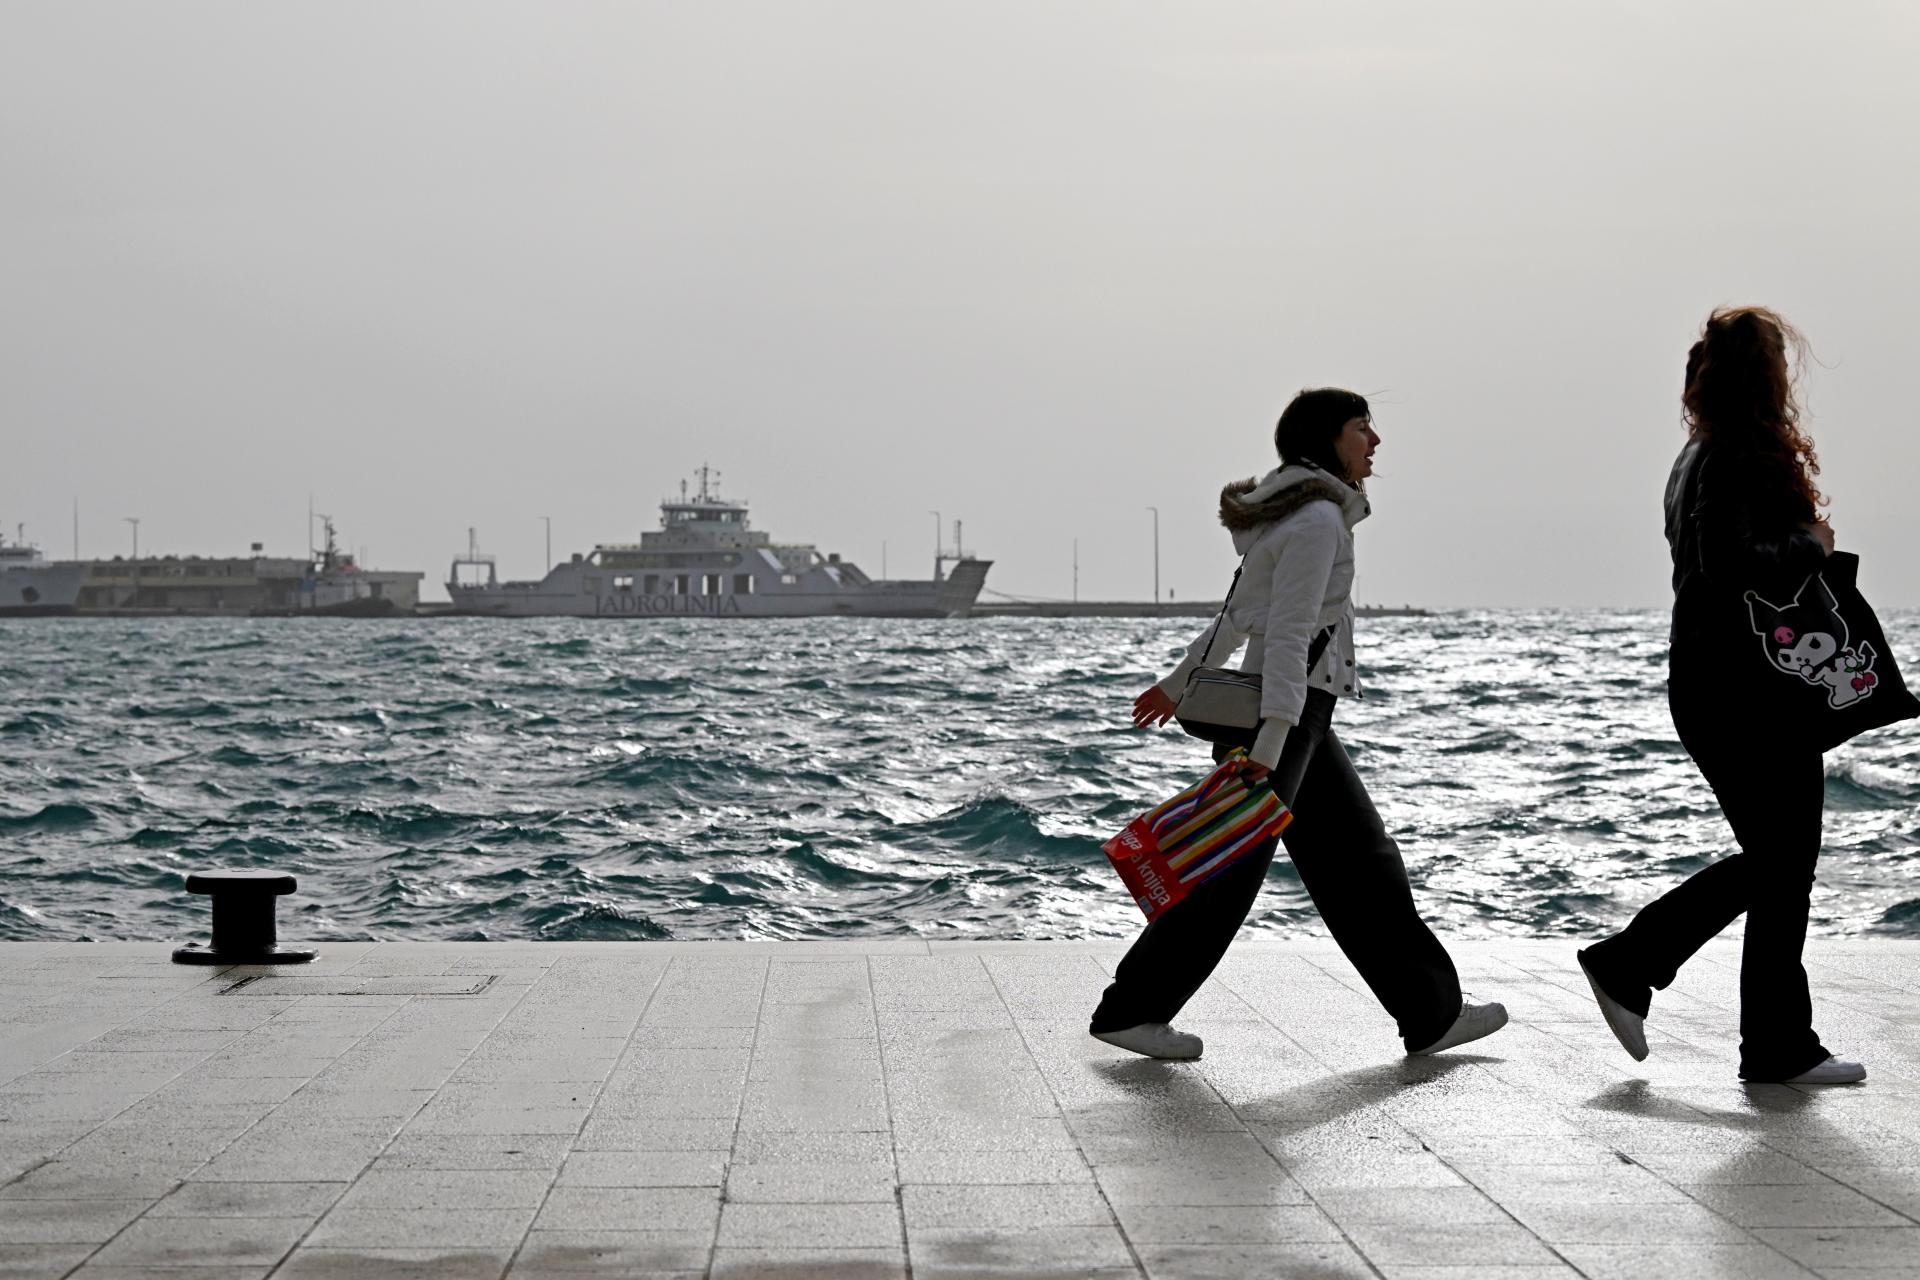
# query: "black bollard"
243, 925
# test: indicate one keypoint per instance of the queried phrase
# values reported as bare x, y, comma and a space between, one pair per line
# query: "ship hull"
563, 596
41, 591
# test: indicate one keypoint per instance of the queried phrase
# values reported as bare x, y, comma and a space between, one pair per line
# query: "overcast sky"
1033, 265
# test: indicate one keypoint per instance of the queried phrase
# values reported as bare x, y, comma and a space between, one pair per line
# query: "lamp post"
133, 570
549, 567
1156, 558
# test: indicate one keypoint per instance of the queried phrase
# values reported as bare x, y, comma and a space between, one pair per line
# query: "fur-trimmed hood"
1248, 504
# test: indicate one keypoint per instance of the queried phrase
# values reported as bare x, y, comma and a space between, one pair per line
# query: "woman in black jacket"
1742, 512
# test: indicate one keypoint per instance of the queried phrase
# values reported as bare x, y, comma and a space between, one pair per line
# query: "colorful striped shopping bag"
1167, 852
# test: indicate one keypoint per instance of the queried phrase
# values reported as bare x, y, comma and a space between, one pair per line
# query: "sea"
476, 779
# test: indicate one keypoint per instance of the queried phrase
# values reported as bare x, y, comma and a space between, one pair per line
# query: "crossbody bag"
1221, 704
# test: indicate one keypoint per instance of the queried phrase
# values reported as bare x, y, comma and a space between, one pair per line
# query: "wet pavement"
889, 1109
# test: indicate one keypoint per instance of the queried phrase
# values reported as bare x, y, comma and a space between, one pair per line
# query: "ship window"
683, 584
623, 582
743, 584
713, 584
789, 579
653, 584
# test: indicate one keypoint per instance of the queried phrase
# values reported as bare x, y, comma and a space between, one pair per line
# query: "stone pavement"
897, 1108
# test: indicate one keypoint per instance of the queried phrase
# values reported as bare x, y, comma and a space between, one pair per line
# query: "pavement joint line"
1567, 984
626, 1048
893, 1133
1126, 1237
213, 976
210, 977
391, 1015
740, 1111
1346, 1236
123, 1025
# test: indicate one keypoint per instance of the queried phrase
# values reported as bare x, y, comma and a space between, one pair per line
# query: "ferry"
33, 586
706, 560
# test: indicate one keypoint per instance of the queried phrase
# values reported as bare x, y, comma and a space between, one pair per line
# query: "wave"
839, 778
50, 818
191, 709
995, 825
594, 922
1853, 785
1901, 920
34, 722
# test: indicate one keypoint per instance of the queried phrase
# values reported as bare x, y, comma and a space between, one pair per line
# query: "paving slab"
900, 1107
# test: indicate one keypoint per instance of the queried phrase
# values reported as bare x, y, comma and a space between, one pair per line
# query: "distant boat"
32, 585
335, 586
705, 561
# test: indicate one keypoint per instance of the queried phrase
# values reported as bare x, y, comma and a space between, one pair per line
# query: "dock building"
242, 585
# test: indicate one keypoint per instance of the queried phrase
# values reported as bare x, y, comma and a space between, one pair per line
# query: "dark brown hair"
1740, 392
1311, 422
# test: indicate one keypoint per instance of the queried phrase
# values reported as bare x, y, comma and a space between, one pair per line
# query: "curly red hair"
1740, 390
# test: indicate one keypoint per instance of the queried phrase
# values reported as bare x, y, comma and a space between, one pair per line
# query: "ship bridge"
703, 521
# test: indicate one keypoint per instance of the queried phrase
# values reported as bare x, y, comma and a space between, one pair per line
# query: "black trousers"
1772, 793
1353, 871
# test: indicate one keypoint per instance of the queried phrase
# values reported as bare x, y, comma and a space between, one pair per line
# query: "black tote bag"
1829, 673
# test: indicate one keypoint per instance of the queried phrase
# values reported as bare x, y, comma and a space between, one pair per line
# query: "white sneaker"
1832, 1071
1629, 1028
1154, 1040
1474, 1022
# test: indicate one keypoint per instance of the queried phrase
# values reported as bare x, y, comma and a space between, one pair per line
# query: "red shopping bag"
1167, 852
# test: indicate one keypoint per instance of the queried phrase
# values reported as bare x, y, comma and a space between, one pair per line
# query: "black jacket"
1729, 533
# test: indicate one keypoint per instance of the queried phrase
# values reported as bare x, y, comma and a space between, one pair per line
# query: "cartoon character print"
1808, 638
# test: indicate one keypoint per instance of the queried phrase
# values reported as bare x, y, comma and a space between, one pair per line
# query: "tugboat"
32, 585
335, 586
706, 561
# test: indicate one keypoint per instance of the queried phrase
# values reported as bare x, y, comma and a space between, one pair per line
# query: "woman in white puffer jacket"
1293, 606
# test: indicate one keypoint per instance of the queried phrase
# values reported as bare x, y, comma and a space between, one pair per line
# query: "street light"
1156, 558
133, 570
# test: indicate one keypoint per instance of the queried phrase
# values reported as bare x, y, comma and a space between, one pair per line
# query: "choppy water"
829, 778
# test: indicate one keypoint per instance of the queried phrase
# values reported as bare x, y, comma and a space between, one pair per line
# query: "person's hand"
1823, 533
1252, 770
1152, 708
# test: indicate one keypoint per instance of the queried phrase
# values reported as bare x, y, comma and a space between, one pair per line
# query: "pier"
1144, 609
893, 1108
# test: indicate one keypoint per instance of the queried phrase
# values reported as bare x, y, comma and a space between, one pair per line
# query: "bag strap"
1213, 633
1315, 650
1318, 648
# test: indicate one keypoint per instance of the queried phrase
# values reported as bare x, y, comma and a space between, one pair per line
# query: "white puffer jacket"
1294, 526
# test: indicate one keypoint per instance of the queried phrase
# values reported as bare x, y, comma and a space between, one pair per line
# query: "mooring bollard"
243, 925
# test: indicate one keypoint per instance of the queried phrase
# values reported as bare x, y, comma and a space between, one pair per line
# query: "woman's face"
1354, 447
